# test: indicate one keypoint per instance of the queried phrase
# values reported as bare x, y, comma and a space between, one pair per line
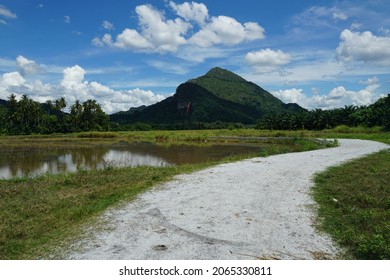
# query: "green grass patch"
354, 205
97, 134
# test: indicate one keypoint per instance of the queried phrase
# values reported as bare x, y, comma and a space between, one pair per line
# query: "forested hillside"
218, 96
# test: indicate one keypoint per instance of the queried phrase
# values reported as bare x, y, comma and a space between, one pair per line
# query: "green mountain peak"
223, 74
219, 95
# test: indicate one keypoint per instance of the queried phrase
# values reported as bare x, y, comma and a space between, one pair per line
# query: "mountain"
228, 85
219, 95
2, 102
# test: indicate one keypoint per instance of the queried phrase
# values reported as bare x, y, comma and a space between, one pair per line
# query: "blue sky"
125, 53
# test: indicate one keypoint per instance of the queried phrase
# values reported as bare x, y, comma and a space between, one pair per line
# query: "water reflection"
36, 162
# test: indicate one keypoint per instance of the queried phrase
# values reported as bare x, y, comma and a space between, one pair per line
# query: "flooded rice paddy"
31, 162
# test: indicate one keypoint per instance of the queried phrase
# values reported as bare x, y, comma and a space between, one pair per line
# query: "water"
35, 162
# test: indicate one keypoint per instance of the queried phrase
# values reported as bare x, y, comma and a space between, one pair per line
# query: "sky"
127, 53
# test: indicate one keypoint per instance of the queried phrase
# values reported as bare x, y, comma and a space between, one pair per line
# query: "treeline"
377, 114
26, 116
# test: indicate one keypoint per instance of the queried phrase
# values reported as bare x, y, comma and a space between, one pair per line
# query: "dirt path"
256, 208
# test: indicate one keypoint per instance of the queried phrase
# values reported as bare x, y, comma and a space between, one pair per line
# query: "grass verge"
36, 214
354, 205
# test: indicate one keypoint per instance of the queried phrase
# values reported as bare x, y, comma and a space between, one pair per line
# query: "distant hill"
2, 102
220, 95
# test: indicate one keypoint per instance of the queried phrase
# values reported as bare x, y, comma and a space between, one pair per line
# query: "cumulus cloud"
156, 34
267, 60
292, 96
336, 98
74, 86
131, 39
364, 47
12, 79
225, 30
26, 66
197, 12
192, 27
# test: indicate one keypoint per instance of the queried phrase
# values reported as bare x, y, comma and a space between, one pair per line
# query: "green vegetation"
94, 134
27, 116
214, 100
377, 114
354, 204
37, 214
40, 215
229, 86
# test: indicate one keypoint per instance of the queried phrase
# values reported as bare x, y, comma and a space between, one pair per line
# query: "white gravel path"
256, 208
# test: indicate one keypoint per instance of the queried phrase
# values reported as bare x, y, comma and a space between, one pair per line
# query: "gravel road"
258, 208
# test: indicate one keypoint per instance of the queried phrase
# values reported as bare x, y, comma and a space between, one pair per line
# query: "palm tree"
60, 104
76, 113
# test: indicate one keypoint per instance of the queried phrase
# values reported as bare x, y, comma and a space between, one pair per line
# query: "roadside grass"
37, 213
354, 205
42, 214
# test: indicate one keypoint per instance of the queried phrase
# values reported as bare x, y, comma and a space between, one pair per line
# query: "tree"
76, 114
93, 117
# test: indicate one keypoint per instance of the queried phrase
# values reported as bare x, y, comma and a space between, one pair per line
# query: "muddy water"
34, 162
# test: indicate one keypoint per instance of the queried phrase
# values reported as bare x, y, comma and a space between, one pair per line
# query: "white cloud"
292, 96
107, 25
12, 79
226, 31
26, 66
267, 60
364, 47
338, 97
7, 14
320, 16
130, 39
4, 12
193, 27
73, 76
338, 15
156, 33
197, 12
74, 86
